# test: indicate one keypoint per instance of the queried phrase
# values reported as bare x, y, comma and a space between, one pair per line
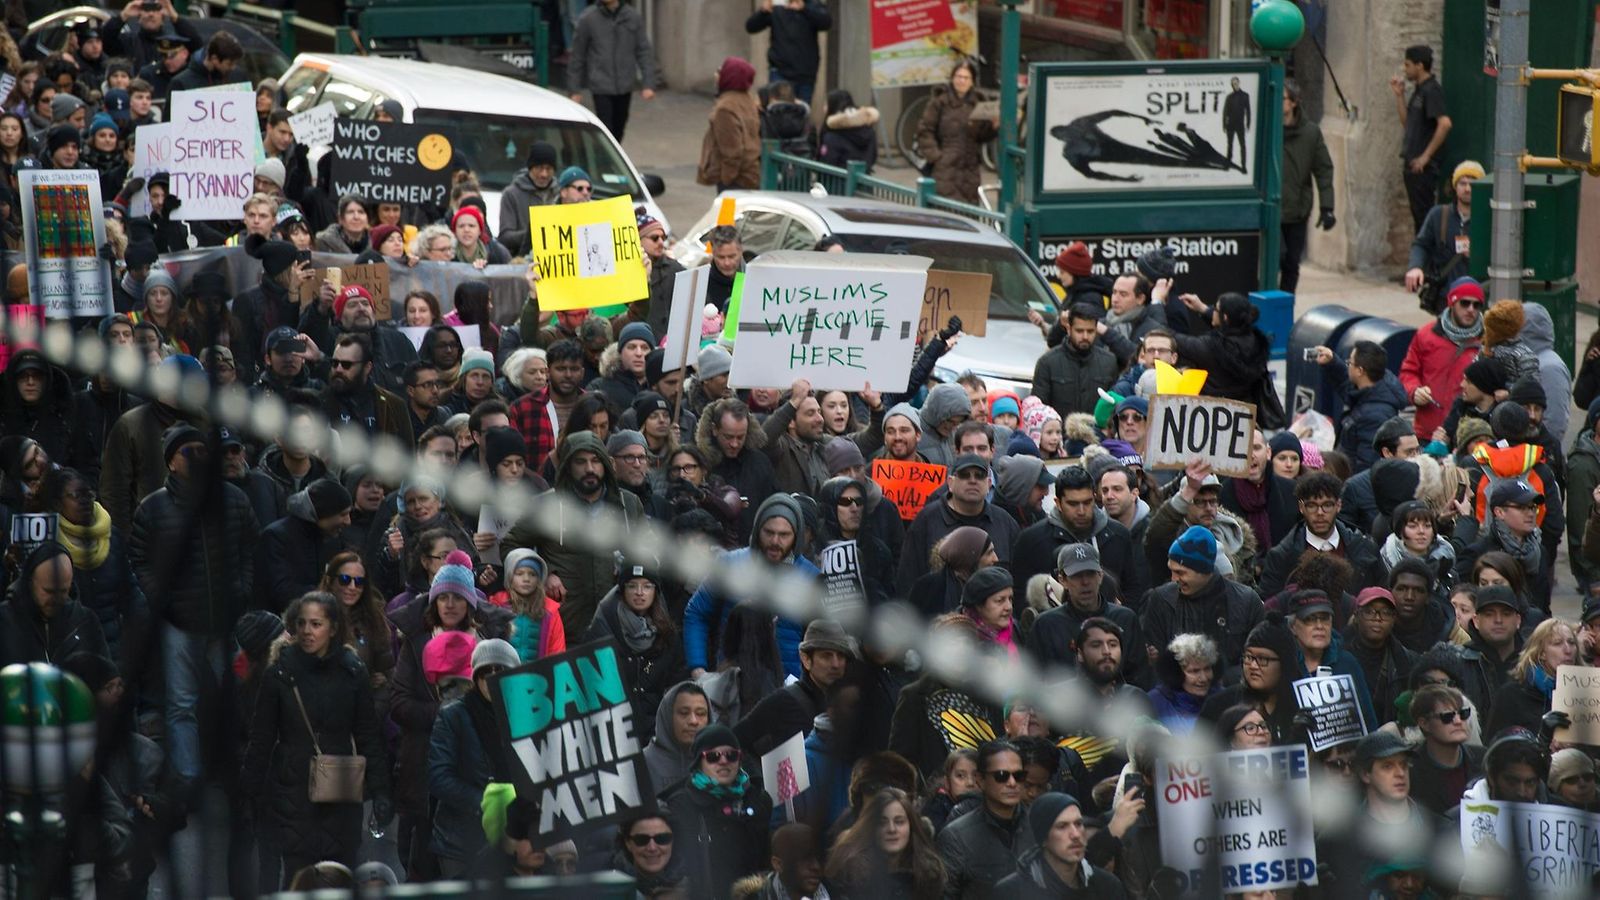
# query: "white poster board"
1247, 812
492, 521
1148, 130
152, 153
840, 321
1184, 428
1577, 694
685, 319
63, 226
784, 772
1335, 711
1547, 848
213, 160
314, 127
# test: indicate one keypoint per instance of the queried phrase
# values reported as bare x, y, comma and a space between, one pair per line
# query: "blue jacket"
709, 605
458, 771
829, 795
1364, 410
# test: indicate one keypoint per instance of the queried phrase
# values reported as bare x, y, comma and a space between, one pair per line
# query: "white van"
492, 119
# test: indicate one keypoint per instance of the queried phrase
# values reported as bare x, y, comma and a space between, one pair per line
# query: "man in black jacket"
1076, 519
1053, 638
984, 845
824, 652
964, 503
793, 55
40, 622
352, 311
294, 549
1317, 495
1198, 600
1057, 867
1421, 619
1385, 662
1496, 641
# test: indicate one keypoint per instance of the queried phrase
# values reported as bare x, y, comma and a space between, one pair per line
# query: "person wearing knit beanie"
1043, 813
101, 122
272, 172
983, 584
1195, 550
476, 358
448, 654
61, 144
1470, 430
1511, 423
637, 331
499, 444
710, 738
63, 106
1568, 766
712, 361
381, 234
1074, 260
328, 498
1487, 375
177, 437
454, 578
840, 455
1286, 454
1530, 393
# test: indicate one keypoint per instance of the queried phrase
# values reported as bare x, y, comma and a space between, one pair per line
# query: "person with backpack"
1442, 247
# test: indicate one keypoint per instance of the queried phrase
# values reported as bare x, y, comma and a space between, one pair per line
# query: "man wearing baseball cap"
1075, 593
285, 350
1370, 642
1496, 632
1389, 818
353, 310
964, 503
1513, 527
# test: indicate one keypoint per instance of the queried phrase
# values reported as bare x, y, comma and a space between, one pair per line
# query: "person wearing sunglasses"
721, 814
1447, 761
1440, 353
645, 845
843, 502
1572, 779
983, 846
574, 186
345, 577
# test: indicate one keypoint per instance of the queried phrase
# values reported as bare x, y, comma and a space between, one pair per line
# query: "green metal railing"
786, 172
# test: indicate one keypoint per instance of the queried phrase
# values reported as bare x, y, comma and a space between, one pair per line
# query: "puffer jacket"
586, 575
50, 422
192, 549
1365, 410
1438, 362
1583, 475
980, 850
950, 139
459, 768
1223, 610
1236, 543
849, 136
338, 701
27, 636
1069, 381
291, 554
1539, 331
520, 194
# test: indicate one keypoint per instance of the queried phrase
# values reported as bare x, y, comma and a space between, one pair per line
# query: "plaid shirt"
531, 415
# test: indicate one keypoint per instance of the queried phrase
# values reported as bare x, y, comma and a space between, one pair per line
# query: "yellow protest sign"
588, 254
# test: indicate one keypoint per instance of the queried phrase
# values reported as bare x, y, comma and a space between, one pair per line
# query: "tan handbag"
333, 779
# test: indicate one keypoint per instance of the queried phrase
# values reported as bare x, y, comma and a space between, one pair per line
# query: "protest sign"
730, 318
24, 319
63, 226
964, 294
1335, 712
29, 530
314, 127
907, 485
152, 153
1185, 428
685, 319
492, 521
588, 254
388, 162
468, 334
569, 722
840, 321
1552, 850
212, 157
846, 596
372, 276
1246, 812
1578, 695
784, 773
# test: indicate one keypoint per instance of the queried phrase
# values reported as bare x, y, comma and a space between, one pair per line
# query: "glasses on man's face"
1436, 682
1251, 728
653, 237
661, 839
430, 385
345, 363
1002, 776
632, 459
581, 188
1321, 506
448, 345
1446, 716
1206, 502
1259, 662
1377, 614
347, 580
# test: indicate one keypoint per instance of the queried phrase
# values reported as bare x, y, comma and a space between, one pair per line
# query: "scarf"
1124, 323
89, 544
1525, 551
1252, 500
1455, 333
638, 632
1394, 550
700, 781
1544, 681
478, 252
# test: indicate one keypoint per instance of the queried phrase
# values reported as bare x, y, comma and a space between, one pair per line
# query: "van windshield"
496, 148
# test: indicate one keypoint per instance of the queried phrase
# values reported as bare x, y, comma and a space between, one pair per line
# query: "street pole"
1010, 62
1510, 143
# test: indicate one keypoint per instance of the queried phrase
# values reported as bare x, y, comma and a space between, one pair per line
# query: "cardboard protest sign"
1551, 851
846, 596
1578, 695
29, 530
964, 294
840, 321
588, 254
314, 127
684, 320
63, 226
388, 162
470, 338
210, 152
372, 276
568, 721
1186, 428
907, 485
1247, 813
1331, 701
784, 773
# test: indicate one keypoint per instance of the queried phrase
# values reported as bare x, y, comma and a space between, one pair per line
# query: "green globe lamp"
1277, 26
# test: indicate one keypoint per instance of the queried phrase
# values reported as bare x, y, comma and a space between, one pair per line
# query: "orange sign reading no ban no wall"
907, 485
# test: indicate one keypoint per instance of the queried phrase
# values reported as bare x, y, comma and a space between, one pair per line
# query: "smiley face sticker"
434, 152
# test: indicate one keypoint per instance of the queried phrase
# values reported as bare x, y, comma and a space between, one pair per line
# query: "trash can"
1277, 318
1322, 326
1394, 338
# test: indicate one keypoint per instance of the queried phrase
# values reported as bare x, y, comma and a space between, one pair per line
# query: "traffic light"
1575, 114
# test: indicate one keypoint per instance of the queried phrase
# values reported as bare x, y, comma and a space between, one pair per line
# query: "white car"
1004, 357
491, 119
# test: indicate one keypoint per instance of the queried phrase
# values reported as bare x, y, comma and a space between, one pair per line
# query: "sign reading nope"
1183, 428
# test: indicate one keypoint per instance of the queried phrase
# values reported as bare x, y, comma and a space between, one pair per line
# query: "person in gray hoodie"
683, 712
944, 409
1539, 332
535, 186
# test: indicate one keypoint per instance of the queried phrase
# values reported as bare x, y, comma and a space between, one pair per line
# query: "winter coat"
707, 615
193, 552
750, 472
1235, 360
950, 139
1236, 543
1337, 659
730, 154
1305, 158
391, 350
793, 51
1365, 410
789, 123
390, 414
649, 673
1035, 880
1069, 382
1437, 362
26, 636
919, 734
662, 281
459, 768
1177, 709
1539, 332
268, 500
1356, 548
520, 194
610, 54
587, 575
1124, 337
667, 761
259, 310
1223, 610
935, 521
1517, 703
50, 421
133, 464
111, 591
980, 850
1052, 640
788, 711
1387, 671
797, 464
96, 412
1283, 513
338, 701
720, 841
333, 240
291, 555
850, 136
1035, 549
1583, 475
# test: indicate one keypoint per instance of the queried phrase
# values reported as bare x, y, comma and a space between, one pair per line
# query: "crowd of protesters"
239, 605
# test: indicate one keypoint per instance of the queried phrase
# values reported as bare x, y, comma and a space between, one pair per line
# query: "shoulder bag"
333, 779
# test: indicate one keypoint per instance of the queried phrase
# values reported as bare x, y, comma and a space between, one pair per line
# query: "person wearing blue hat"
574, 185
1198, 599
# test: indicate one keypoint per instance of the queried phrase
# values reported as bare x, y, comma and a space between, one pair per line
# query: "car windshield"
496, 148
1016, 286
